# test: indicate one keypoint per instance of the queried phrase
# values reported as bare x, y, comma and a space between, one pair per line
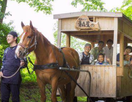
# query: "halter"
30, 46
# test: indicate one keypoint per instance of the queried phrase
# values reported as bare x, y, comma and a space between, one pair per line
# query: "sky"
45, 23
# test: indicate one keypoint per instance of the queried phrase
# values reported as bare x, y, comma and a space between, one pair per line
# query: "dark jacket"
10, 65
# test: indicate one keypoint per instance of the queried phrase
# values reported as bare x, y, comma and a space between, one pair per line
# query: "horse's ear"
22, 24
31, 25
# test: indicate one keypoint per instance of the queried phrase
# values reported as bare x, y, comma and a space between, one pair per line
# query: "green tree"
39, 5
126, 8
75, 42
46, 5
90, 5
4, 30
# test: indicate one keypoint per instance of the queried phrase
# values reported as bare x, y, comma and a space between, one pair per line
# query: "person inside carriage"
101, 61
97, 50
127, 59
127, 52
108, 50
86, 57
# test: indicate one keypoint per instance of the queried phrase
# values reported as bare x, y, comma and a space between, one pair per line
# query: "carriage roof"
106, 21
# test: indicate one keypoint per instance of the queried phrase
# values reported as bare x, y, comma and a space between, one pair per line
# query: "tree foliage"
75, 43
39, 5
4, 30
90, 5
126, 8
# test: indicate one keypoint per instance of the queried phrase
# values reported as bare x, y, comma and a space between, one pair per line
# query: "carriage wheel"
93, 99
129, 99
110, 100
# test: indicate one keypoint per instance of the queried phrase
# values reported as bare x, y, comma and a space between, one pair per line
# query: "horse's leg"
54, 85
42, 90
72, 92
68, 89
63, 92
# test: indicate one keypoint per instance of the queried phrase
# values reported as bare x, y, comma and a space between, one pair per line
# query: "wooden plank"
98, 86
119, 86
115, 40
112, 76
126, 84
94, 82
93, 33
59, 34
90, 14
121, 49
106, 87
105, 23
69, 24
119, 71
102, 82
67, 40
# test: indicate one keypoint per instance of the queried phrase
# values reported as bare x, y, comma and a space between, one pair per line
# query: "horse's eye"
29, 37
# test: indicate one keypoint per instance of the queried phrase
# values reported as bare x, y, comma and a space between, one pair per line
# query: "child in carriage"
101, 60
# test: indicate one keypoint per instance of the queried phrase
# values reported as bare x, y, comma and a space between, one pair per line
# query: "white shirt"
108, 52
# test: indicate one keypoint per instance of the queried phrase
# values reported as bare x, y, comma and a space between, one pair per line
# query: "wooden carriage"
106, 81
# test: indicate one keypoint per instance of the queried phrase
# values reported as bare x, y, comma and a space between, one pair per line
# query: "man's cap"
87, 44
13, 33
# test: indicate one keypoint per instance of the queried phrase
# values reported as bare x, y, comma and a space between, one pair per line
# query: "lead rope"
7, 77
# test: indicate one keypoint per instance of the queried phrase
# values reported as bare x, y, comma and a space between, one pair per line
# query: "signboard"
83, 23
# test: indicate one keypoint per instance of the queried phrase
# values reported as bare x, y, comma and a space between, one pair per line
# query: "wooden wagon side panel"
68, 24
125, 83
103, 81
125, 27
105, 23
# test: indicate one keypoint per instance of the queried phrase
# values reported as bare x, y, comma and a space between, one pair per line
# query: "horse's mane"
42, 37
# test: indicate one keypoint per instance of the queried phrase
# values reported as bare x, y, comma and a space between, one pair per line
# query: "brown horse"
46, 53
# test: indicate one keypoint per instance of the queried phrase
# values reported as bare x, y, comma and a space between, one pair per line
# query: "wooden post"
67, 40
92, 45
115, 40
121, 50
59, 34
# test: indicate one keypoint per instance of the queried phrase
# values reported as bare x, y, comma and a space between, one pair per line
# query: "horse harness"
50, 65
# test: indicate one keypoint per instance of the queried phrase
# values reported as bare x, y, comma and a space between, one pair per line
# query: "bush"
26, 77
4, 30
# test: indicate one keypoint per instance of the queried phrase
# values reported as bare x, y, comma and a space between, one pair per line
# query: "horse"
46, 53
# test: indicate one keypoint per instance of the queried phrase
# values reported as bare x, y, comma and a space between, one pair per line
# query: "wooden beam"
92, 33
115, 40
59, 34
121, 50
67, 40
90, 14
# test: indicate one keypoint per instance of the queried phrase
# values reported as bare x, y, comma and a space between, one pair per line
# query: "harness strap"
50, 65
47, 66
64, 60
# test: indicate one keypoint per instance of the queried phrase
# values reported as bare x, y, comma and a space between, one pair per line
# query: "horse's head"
27, 42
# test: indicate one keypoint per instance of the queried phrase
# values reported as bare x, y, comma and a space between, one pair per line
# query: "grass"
29, 92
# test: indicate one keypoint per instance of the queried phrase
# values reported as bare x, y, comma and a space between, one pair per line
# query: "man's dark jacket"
10, 65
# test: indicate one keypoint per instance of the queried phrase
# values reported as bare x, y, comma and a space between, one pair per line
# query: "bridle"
26, 52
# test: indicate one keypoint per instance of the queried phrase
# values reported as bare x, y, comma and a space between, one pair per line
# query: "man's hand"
1, 74
22, 63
